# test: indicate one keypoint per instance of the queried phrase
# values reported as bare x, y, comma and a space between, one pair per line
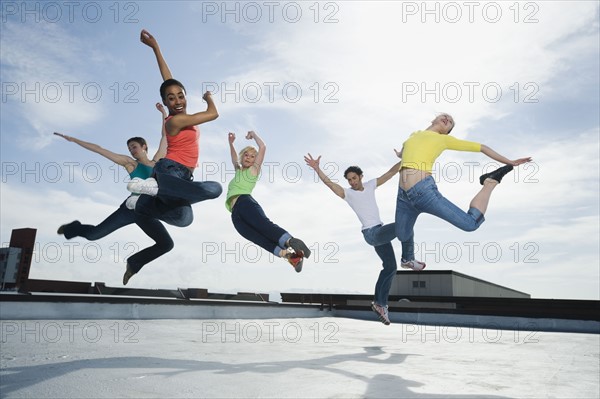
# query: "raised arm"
234, 155
162, 147
150, 41
262, 149
497, 157
119, 159
180, 121
314, 163
392, 172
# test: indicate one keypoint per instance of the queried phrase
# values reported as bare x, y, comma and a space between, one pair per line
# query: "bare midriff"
409, 177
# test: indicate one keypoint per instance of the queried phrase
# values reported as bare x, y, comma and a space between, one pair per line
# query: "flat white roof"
290, 358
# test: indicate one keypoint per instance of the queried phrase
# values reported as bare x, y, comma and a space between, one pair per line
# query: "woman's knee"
474, 220
404, 234
214, 188
167, 245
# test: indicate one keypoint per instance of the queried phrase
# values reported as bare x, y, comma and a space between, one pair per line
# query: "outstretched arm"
119, 159
234, 155
162, 147
314, 163
392, 172
180, 121
497, 157
150, 41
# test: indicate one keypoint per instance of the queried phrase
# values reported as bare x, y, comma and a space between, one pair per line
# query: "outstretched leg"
119, 218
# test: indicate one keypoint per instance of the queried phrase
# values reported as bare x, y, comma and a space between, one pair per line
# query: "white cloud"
43, 71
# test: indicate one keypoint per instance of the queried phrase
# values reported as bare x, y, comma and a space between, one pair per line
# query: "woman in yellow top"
247, 215
418, 193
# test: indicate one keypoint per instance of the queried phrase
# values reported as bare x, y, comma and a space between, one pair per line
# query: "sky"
349, 81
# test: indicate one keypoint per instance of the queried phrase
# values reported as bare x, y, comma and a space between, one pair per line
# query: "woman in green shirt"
247, 215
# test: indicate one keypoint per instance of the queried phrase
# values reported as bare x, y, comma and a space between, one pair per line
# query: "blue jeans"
250, 221
424, 197
176, 193
381, 238
120, 218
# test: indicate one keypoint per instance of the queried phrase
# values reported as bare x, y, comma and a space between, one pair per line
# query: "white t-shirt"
363, 203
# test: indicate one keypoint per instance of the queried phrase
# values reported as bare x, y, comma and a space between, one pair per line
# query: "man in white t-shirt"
361, 198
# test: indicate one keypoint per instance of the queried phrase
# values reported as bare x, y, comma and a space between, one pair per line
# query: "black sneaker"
128, 274
299, 247
61, 229
497, 174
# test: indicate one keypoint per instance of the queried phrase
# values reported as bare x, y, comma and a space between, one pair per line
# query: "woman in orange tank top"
170, 192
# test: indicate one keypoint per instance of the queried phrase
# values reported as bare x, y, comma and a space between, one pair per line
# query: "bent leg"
163, 243
252, 223
434, 203
174, 212
380, 235
174, 187
248, 231
482, 198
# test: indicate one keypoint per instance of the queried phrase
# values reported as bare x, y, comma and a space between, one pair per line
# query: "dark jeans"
381, 238
250, 221
120, 218
176, 193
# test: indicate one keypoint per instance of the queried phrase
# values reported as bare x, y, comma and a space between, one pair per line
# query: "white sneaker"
131, 201
139, 186
382, 313
412, 264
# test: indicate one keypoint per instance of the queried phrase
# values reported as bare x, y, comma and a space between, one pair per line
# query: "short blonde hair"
246, 149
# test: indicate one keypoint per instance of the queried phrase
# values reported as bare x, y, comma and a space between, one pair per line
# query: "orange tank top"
183, 147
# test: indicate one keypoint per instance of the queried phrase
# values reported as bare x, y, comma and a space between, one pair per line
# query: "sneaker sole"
497, 174
413, 269
299, 246
381, 318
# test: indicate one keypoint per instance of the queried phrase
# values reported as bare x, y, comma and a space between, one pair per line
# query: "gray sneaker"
412, 264
382, 313
299, 247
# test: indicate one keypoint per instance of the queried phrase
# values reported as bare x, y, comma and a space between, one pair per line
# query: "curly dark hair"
354, 169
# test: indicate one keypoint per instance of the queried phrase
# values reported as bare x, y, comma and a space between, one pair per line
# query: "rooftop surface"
315, 357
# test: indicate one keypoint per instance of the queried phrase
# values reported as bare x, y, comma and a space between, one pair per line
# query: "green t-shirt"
242, 183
